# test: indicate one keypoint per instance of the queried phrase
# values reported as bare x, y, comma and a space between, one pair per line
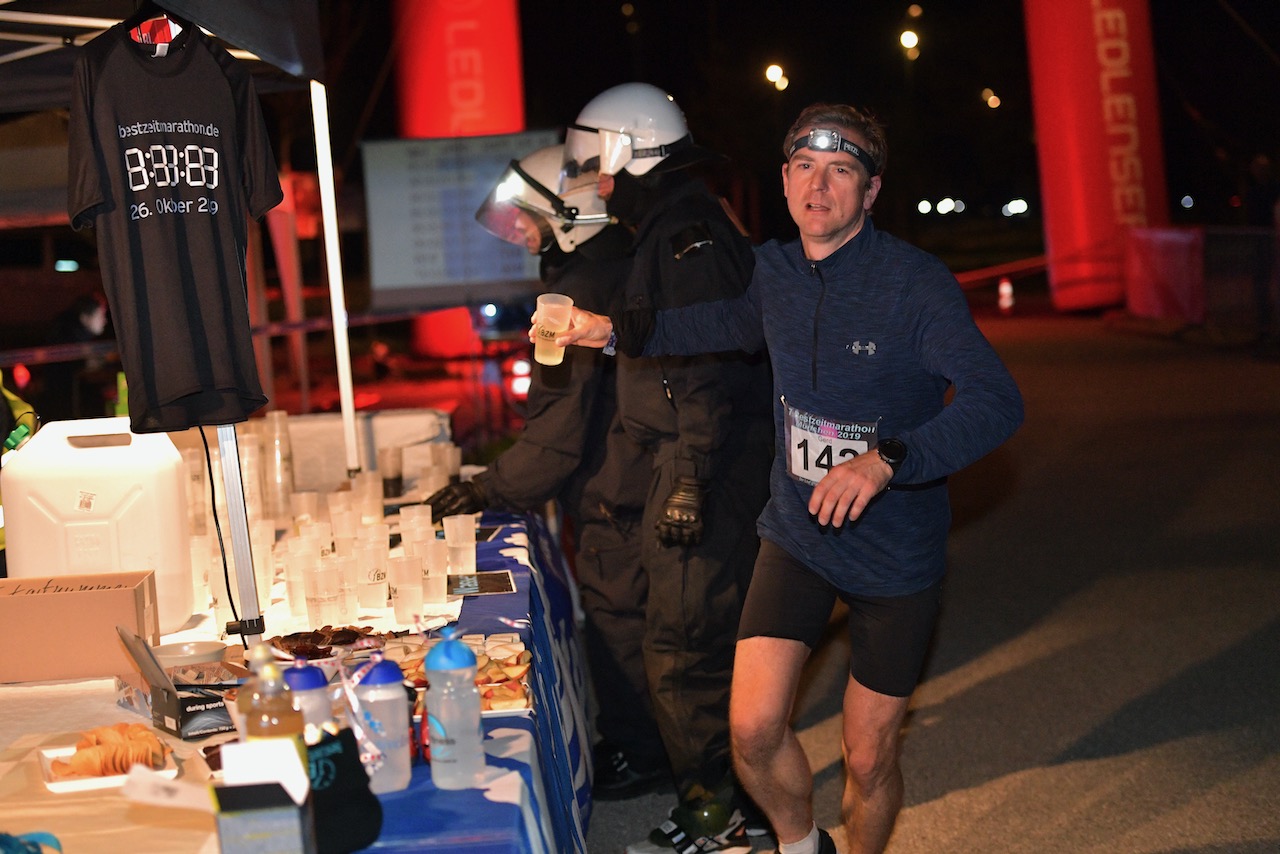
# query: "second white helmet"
528, 189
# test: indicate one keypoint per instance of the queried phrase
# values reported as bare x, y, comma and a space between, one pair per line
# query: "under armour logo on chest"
857, 348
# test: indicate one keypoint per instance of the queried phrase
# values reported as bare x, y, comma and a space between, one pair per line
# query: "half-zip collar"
847, 254
815, 270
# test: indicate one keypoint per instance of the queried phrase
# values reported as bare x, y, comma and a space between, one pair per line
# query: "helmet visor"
514, 224
512, 211
519, 207
598, 150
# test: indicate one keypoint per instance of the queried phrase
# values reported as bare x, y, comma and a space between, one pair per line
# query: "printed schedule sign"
426, 248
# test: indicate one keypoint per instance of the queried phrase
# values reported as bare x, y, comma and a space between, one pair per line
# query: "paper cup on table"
460, 535
371, 567
319, 533
367, 501
379, 532
435, 571
433, 479
323, 593
348, 587
404, 576
300, 555
337, 501
414, 514
553, 319
391, 469
417, 537
344, 523
304, 507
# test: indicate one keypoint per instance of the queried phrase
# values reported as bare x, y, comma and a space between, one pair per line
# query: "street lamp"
775, 75
910, 42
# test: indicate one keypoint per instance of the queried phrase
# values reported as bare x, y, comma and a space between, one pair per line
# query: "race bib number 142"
815, 444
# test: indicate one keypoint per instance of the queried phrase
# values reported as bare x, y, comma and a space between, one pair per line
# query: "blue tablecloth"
537, 796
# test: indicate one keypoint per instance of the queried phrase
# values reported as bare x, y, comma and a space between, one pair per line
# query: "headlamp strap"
664, 150
830, 140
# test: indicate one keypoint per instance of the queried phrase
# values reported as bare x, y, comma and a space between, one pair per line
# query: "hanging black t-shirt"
168, 159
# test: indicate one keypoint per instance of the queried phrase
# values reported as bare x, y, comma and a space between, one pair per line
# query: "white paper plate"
84, 784
190, 652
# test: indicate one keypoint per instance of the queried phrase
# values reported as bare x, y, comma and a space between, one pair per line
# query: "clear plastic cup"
324, 594
433, 479
371, 567
435, 572
404, 576
320, 534
305, 507
301, 554
411, 514
391, 470
348, 586
553, 319
344, 523
460, 535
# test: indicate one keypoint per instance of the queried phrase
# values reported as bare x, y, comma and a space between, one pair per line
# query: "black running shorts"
889, 635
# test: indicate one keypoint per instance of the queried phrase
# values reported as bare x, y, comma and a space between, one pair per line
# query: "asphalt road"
1106, 672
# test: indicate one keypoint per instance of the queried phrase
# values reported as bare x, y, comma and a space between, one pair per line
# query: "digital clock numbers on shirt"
171, 166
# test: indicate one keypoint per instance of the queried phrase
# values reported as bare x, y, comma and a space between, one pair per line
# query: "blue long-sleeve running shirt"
865, 345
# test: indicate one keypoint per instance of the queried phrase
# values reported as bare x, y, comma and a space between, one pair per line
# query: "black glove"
681, 520
465, 496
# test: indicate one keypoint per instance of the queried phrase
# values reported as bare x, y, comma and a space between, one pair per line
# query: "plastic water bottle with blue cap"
385, 719
453, 714
310, 689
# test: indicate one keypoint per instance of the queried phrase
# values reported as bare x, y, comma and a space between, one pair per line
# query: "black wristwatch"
893, 452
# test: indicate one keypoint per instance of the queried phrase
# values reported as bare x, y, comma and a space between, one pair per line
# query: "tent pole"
250, 611
333, 259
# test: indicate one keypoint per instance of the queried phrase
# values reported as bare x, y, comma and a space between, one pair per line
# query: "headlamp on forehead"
830, 140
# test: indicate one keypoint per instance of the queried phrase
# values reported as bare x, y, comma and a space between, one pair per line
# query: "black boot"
620, 775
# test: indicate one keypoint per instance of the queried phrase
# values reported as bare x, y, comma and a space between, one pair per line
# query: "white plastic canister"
88, 496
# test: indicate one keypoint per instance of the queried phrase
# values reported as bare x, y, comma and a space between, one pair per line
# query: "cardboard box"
187, 711
260, 817
64, 627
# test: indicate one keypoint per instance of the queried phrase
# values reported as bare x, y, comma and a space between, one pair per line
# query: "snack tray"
84, 784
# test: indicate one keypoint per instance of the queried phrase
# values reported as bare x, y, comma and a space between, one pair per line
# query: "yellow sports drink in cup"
553, 319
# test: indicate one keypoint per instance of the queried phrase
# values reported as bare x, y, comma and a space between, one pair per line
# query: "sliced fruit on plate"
505, 650
515, 671
507, 696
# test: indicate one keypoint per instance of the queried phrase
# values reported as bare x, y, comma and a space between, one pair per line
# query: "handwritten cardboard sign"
64, 627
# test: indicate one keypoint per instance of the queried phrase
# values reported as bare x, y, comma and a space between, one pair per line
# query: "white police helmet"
633, 126
524, 196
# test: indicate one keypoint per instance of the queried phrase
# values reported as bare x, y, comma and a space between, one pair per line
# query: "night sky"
1218, 71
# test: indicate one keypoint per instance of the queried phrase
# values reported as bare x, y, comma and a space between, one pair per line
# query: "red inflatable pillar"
459, 74
1098, 139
